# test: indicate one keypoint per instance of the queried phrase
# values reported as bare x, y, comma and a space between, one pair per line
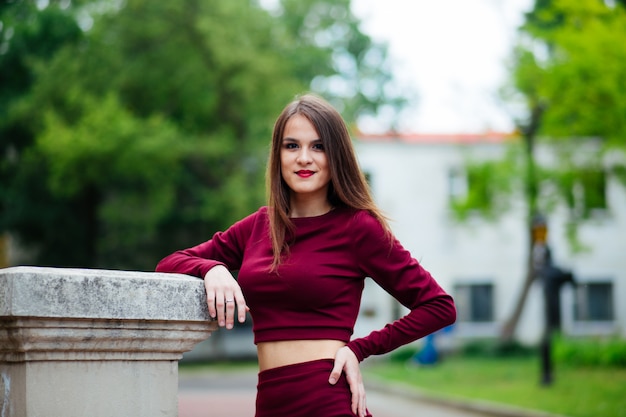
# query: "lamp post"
540, 260
552, 279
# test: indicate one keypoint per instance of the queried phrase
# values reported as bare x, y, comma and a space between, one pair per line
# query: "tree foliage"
336, 58
569, 73
130, 129
573, 61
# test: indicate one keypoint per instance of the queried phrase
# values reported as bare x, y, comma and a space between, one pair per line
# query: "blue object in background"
428, 355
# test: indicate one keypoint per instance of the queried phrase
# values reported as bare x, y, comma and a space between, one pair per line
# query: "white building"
483, 264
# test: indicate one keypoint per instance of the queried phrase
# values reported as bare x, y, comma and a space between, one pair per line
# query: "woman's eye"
318, 146
290, 146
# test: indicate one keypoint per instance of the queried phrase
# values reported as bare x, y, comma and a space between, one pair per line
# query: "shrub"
494, 348
590, 351
403, 354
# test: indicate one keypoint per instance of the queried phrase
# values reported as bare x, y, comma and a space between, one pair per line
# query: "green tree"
569, 73
28, 37
338, 60
148, 131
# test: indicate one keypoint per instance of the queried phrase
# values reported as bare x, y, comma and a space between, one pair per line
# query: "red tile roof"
438, 138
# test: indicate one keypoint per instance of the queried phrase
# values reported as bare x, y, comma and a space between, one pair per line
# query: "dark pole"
552, 278
546, 342
541, 263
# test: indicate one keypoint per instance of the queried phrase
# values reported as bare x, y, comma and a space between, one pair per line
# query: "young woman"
302, 263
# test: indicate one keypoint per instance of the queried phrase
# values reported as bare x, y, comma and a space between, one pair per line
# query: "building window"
594, 185
477, 189
457, 185
594, 302
474, 303
588, 194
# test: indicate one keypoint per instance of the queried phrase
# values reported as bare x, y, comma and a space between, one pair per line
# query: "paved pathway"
232, 393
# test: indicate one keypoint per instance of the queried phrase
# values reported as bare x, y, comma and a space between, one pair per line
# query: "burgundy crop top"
316, 293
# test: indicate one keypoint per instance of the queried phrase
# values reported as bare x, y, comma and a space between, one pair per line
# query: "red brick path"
216, 404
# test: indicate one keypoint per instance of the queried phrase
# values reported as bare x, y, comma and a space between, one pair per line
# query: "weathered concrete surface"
89, 388
100, 294
79, 342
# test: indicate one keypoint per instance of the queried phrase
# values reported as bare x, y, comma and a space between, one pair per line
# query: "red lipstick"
305, 173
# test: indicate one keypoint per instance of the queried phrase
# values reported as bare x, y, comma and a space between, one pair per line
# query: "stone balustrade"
97, 343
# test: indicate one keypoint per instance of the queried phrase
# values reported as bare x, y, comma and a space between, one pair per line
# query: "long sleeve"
224, 248
383, 258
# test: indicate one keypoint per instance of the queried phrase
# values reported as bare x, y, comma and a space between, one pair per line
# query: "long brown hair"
347, 187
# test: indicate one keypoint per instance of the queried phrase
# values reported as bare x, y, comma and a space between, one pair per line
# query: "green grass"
575, 392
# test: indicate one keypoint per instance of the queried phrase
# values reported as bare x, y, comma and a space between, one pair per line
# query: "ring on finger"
230, 301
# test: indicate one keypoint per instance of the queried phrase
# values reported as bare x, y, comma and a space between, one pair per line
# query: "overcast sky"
452, 54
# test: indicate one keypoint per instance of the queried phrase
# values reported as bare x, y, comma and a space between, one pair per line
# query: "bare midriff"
287, 352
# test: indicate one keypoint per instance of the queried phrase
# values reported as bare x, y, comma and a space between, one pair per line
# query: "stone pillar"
97, 343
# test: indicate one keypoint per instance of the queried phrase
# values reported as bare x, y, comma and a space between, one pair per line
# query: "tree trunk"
528, 132
508, 330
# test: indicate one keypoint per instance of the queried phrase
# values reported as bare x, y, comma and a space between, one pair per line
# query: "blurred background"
493, 133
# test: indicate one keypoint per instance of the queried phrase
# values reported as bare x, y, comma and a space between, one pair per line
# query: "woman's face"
303, 160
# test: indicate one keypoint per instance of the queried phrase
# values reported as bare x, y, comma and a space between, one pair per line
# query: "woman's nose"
304, 156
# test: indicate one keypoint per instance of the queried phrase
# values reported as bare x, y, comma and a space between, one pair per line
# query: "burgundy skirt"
303, 390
